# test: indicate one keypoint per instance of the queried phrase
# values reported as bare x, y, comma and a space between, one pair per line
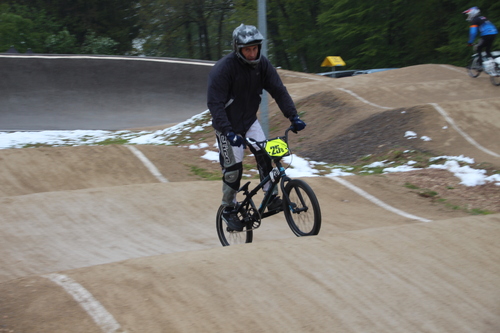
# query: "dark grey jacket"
234, 93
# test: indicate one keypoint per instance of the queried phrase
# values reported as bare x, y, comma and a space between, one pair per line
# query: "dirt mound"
432, 277
49, 169
356, 116
353, 133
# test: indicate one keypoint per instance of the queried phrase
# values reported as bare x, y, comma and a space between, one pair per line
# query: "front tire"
474, 69
228, 237
302, 212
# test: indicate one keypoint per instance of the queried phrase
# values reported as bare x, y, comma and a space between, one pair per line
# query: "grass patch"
478, 211
37, 145
411, 186
473, 211
397, 157
112, 141
434, 196
323, 169
370, 171
204, 173
428, 194
454, 207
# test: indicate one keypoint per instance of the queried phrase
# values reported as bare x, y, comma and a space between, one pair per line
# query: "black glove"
235, 140
297, 124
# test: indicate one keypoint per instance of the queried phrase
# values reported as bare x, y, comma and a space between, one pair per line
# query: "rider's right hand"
235, 140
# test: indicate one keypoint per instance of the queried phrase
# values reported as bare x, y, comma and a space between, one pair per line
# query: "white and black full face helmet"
247, 35
471, 13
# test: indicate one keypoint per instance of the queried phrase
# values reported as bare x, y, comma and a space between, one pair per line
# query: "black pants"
486, 43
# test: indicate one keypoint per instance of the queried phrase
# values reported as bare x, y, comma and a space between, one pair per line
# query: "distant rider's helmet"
471, 13
247, 35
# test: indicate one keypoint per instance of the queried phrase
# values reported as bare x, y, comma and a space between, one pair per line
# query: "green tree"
60, 43
189, 28
27, 28
295, 32
113, 19
365, 34
14, 30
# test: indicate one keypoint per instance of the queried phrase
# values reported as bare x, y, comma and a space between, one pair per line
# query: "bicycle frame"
276, 176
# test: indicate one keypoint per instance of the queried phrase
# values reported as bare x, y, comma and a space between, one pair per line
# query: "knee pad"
232, 176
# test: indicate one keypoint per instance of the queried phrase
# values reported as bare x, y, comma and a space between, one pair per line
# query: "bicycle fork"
278, 175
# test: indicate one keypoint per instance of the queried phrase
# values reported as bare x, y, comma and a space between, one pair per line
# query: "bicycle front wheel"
495, 78
228, 237
474, 69
302, 212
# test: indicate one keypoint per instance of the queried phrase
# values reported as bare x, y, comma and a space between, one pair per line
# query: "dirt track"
148, 254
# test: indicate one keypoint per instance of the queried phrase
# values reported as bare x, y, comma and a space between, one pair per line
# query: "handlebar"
259, 143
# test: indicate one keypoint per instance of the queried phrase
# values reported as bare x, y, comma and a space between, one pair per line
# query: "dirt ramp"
26, 171
44, 232
470, 128
48, 169
434, 277
403, 87
61, 230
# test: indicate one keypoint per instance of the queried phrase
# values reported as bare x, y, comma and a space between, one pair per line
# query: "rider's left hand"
297, 123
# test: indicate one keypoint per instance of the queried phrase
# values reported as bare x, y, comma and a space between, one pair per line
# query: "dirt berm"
92, 241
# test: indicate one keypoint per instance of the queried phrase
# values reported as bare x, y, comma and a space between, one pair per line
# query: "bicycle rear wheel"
474, 69
302, 212
495, 79
228, 237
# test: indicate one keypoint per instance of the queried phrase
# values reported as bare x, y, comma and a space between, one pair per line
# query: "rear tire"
228, 237
474, 68
302, 212
495, 79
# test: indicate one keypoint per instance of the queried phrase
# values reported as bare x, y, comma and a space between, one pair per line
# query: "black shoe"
233, 222
275, 203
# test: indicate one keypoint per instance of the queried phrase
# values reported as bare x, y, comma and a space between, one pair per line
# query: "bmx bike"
490, 67
300, 205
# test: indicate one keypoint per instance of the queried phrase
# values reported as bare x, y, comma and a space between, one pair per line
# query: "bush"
98, 44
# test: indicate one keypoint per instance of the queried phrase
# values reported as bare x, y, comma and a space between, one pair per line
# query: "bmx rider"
235, 86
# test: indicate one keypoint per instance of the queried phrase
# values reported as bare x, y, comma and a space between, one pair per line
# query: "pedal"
255, 225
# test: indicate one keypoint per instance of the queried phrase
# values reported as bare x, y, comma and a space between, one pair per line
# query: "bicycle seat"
244, 187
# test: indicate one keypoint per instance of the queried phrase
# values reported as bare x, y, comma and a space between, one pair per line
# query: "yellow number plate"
277, 147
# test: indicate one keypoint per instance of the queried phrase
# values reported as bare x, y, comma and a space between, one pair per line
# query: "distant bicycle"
300, 205
490, 67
